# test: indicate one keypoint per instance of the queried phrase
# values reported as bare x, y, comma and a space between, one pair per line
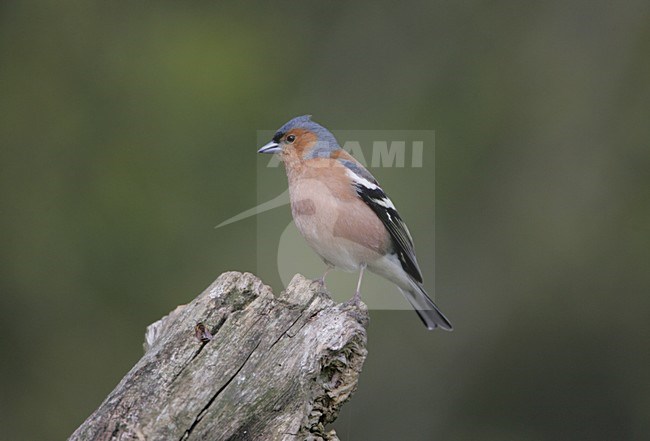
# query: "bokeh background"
128, 131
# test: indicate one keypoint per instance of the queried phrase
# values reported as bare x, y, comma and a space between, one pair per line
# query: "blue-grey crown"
326, 141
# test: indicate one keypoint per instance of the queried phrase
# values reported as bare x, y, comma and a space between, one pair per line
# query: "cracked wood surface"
275, 369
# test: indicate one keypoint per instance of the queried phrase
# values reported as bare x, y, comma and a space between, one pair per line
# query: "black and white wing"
371, 193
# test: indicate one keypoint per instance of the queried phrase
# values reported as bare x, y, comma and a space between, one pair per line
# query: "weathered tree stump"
275, 369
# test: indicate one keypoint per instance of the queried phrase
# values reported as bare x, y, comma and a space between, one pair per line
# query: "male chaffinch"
345, 216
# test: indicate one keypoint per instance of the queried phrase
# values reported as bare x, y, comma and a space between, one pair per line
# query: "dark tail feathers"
429, 313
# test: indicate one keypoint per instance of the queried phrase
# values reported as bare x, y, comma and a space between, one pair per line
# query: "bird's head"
302, 138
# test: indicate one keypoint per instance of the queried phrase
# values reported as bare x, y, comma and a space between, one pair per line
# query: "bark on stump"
276, 368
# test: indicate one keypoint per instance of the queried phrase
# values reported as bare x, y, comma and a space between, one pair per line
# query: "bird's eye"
291, 138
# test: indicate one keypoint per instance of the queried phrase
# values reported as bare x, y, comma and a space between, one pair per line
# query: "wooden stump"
275, 368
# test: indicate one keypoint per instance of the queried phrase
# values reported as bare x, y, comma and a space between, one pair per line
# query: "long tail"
429, 313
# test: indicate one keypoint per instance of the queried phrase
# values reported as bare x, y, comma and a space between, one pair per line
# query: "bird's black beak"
271, 147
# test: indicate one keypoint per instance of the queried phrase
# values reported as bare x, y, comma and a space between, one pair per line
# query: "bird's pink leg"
328, 268
357, 293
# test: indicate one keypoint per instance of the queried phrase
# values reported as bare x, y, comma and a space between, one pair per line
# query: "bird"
346, 217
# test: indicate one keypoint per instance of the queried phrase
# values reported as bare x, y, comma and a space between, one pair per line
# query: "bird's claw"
355, 300
320, 283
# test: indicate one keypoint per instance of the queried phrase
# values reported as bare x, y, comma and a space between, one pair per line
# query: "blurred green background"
128, 131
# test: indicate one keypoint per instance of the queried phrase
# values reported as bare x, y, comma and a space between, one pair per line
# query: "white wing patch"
385, 202
360, 180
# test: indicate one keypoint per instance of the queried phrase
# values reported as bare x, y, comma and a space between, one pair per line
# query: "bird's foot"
355, 300
357, 309
320, 283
